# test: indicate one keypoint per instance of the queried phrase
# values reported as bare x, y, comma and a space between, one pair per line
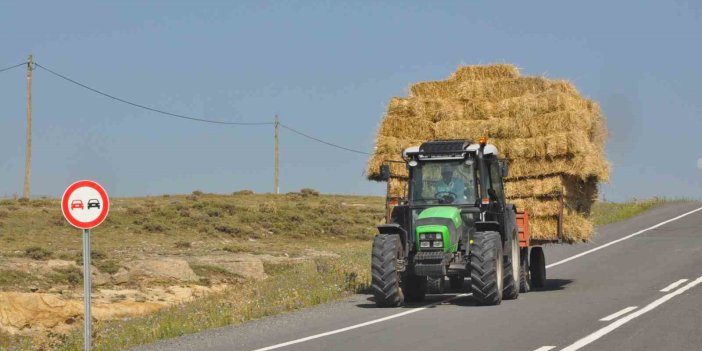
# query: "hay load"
552, 136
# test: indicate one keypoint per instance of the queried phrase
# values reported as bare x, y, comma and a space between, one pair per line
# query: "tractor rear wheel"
387, 251
414, 287
486, 264
537, 267
511, 284
524, 270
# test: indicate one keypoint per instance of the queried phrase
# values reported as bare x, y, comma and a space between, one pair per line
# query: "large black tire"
387, 250
511, 267
524, 270
456, 281
537, 267
436, 285
486, 272
414, 287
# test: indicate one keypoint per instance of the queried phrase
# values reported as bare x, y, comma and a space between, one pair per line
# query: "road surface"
637, 286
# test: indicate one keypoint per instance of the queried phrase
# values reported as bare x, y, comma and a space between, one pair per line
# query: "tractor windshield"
443, 182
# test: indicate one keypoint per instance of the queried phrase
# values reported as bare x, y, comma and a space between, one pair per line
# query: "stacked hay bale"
553, 138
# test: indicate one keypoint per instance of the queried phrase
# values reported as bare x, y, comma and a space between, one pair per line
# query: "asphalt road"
623, 269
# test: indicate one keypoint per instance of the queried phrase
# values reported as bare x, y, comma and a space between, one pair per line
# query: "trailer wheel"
524, 270
387, 250
537, 267
414, 287
486, 265
436, 285
511, 264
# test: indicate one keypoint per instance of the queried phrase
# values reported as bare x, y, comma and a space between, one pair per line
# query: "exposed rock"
242, 264
160, 268
98, 278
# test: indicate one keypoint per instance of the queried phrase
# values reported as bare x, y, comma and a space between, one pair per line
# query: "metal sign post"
87, 320
85, 205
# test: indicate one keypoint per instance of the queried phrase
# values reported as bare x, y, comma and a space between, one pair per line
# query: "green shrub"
37, 253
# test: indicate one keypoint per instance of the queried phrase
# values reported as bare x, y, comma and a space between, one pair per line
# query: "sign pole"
87, 287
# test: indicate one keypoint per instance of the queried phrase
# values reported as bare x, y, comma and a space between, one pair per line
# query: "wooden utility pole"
277, 155
28, 150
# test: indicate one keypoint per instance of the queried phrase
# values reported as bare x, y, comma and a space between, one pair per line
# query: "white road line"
317, 336
616, 315
618, 323
622, 239
545, 348
337, 331
673, 285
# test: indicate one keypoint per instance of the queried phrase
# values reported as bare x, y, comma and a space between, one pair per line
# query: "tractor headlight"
438, 243
422, 236
437, 236
424, 244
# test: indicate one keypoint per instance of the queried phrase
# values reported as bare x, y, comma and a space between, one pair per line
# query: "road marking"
673, 285
337, 331
618, 323
545, 348
619, 314
317, 336
621, 239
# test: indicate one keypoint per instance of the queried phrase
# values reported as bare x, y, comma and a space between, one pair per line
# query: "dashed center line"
619, 322
673, 285
618, 314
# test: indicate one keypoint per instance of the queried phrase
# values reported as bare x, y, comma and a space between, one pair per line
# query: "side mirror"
384, 172
504, 168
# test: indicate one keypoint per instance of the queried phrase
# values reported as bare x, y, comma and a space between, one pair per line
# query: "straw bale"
482, 72
576, 228
447, 89
541, 125
398, 187
407, 128
550, 206
497, 90
549, 186
582, 166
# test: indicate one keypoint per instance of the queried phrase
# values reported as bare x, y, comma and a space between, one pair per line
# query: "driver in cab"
450, 185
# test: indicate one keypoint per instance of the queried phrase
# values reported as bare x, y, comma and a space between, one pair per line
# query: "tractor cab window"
496, 180
443, 182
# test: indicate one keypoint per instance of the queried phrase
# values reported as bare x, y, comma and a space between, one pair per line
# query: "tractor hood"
444, 220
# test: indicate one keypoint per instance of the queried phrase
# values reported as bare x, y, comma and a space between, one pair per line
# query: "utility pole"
277, 155
28, 151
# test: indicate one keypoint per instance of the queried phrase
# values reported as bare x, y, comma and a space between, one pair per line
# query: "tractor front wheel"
486, 268
385, 283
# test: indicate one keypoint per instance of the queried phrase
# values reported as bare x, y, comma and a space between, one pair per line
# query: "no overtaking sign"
85, 205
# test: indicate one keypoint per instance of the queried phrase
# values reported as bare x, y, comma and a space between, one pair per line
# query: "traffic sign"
85, 204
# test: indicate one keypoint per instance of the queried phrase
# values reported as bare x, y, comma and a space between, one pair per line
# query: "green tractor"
454, 222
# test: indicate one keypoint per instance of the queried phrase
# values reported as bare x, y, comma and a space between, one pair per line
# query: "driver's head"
446, 173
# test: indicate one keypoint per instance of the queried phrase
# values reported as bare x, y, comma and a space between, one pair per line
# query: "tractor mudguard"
487, 226
395, 229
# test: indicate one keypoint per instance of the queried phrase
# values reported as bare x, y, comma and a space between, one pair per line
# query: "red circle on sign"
104, 208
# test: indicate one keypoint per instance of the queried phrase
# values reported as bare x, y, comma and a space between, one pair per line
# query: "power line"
151, 108
15, 66
195, 118
322, 141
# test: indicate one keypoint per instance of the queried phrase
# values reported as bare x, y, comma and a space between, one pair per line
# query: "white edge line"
317, 336
622, 239
618, 323
673, 285
616, 315
356, 326
545, 348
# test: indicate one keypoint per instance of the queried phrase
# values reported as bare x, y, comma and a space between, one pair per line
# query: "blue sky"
328, 69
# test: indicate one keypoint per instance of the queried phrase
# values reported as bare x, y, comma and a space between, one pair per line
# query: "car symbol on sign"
76, 204
93, 203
